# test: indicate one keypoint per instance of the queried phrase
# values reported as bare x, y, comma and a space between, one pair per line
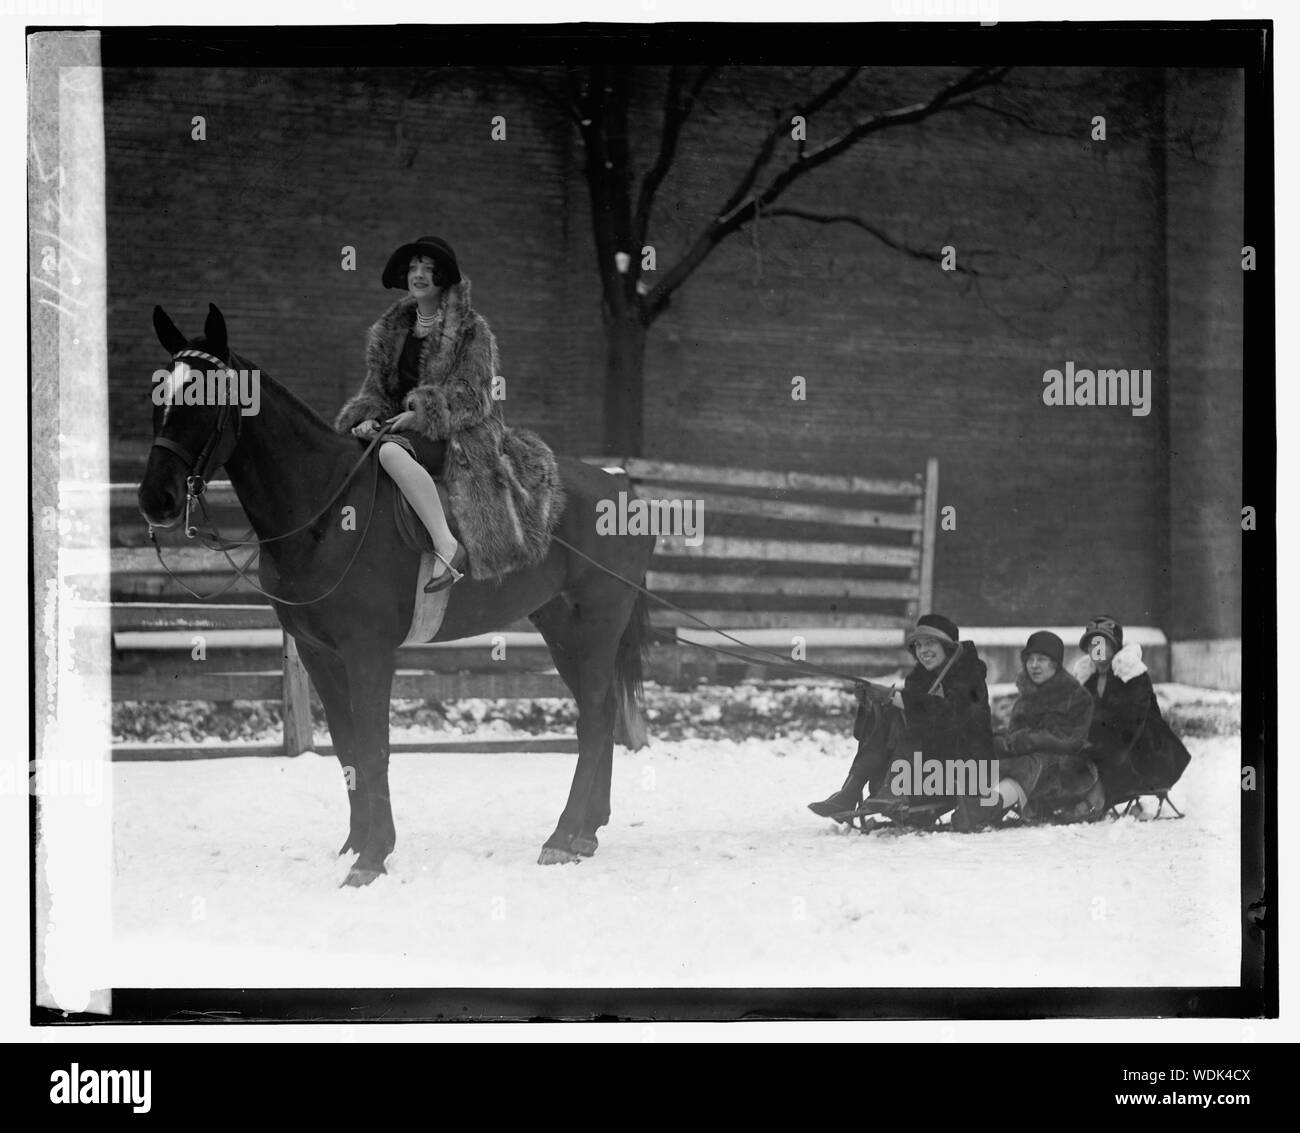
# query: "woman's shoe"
843, 801
452, 575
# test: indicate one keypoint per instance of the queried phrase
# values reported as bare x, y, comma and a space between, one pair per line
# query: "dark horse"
285, 464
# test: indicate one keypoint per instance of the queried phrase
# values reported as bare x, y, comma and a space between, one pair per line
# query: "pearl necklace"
424, 325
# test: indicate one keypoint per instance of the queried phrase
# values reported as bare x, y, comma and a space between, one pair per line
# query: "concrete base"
1208, 664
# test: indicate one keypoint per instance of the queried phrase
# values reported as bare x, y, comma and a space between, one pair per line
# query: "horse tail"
630, 723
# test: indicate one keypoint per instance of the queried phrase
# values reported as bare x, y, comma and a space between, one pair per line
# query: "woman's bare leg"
418, 487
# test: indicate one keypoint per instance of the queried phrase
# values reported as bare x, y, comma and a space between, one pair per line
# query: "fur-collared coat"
503, 483
1129, 740
953, 722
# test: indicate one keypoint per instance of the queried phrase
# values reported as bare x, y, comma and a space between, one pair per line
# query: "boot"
847, 798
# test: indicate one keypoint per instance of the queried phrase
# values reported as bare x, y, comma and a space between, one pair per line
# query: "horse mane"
315, 419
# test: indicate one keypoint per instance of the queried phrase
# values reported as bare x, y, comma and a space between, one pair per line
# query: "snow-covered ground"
712, 872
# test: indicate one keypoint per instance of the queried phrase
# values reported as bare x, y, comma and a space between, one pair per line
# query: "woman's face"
929, 652
1040, 667
419, 277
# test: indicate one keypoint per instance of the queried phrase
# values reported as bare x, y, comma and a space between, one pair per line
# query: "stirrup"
451, 575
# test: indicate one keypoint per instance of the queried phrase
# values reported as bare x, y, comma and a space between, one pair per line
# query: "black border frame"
1247, 45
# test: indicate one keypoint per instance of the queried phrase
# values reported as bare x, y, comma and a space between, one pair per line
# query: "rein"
780, 660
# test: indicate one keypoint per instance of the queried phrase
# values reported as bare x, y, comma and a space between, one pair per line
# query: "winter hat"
438, 250
1046, 642
936, 626
1107, 627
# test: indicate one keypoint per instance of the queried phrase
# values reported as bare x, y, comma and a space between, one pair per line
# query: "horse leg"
584, 654
330, 678
370, 684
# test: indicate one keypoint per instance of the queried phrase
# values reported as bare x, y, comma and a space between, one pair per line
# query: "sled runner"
1161, 795
900, 812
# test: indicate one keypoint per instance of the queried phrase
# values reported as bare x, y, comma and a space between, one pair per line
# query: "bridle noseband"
196, 482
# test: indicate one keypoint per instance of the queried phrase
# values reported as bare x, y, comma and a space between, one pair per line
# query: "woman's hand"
403, 420
365, 429
897, 699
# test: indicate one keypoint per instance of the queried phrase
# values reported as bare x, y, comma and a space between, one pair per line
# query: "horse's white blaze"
181, 373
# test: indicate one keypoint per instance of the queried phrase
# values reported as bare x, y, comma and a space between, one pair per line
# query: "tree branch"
1023, 120
743, 204
675, 116
780, 129
870, 229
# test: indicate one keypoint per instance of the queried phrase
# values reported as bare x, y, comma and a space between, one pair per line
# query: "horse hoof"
584, 847
552, 856
358, 877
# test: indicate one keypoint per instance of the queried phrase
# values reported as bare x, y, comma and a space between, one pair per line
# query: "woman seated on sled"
939, 721
1135, 751
1044, 771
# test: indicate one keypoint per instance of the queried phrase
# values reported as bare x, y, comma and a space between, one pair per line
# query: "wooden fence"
840, 563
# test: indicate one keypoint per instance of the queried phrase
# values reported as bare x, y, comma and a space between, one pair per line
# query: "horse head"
197, 411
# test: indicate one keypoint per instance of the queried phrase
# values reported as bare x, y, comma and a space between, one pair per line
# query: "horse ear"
172, 339
214, 329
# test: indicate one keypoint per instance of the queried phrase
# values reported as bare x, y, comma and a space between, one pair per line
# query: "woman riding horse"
430, 365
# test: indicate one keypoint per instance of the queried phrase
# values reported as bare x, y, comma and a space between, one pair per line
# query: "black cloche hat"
435, 248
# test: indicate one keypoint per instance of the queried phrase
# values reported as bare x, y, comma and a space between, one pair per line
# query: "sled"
865, 817
1136, 800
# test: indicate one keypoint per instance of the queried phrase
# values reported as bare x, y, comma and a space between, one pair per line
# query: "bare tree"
597, 100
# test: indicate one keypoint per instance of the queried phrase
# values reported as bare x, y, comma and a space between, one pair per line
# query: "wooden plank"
929, 530
828, 638
183, 560
791, 586
410, 685
203, 684
641, 469
782, 619
199, 684
722, 504
219, 493
161, 590
170, 640
138, 616
778, 550
523, 745
229, 524
295, 702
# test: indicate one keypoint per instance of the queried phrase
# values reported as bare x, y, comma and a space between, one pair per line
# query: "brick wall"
1060, 511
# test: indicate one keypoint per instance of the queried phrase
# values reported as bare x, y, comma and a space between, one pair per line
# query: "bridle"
209, 456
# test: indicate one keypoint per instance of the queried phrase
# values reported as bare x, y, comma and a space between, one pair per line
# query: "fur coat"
503, 483
1048, 719
1133, 747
